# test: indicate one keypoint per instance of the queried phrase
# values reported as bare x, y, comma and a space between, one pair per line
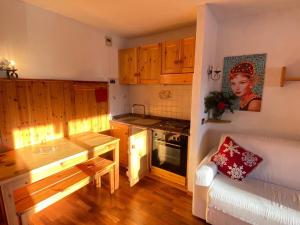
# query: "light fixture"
10, 68
213, 74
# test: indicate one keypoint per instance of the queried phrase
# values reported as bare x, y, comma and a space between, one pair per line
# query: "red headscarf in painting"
245, 68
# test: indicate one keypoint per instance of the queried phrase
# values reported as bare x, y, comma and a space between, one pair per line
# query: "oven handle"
167, 143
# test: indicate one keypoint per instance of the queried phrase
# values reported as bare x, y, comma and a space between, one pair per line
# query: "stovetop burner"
179, 126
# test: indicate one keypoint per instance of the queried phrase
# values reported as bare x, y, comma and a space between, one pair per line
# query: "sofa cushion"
280, 158
234, 161
255, 202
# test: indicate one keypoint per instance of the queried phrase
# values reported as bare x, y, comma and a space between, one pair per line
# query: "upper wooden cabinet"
171, 62
140, 65
149, 64
171, 57
128, 66
178, 61
188, 55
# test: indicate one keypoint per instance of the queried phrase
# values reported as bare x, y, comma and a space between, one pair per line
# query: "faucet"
132, 108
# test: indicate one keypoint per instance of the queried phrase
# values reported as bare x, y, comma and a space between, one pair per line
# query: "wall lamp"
10, 68
213, 74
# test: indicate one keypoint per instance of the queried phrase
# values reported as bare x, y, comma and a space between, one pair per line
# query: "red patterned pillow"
234, 161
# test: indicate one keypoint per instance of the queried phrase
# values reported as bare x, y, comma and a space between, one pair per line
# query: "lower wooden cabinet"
121, 131
133, 150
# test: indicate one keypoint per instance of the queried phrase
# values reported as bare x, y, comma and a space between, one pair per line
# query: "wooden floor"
148, 203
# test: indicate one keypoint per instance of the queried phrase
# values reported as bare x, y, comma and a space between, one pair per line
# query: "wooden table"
27, 165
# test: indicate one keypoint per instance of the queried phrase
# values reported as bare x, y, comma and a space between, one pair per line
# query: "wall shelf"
285, 78
217, 121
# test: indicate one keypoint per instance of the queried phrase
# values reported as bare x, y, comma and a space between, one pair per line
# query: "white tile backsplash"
174, 100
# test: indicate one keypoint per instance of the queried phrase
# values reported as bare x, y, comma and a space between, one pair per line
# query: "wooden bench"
39, 195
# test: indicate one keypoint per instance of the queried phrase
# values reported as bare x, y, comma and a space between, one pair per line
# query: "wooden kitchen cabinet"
149, 64
138, 155
171, 57
133, 150
178, 61
171, 62
140, 65
188, 55
121, 131
128, 66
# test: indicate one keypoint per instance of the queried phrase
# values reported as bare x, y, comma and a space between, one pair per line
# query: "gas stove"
172, 125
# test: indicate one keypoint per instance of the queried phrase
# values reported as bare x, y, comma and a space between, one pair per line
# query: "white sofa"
270, 195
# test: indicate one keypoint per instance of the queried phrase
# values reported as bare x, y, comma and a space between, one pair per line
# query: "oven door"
169, 156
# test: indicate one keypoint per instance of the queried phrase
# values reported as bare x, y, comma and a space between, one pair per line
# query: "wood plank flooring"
150, 202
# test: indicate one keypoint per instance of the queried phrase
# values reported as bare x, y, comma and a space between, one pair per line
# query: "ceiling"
133, 18
127, 18
227, 9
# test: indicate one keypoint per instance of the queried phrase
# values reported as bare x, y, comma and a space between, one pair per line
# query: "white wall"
177, 106
46, 45
207, 29
276, 33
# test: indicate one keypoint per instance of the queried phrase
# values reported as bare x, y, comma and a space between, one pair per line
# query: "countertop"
122, 119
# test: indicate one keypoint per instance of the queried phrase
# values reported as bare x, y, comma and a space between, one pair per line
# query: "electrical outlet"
108, 40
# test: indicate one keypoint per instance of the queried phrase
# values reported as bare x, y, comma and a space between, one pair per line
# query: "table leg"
116, 160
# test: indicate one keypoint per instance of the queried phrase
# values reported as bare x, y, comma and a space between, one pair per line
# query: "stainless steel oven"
169, 151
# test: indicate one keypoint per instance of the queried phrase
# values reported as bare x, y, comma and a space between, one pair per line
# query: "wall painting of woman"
244, 77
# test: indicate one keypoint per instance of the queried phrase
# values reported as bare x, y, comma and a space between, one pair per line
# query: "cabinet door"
128, 66
187, 55
138, 156
121, 131
150, 64
170, 57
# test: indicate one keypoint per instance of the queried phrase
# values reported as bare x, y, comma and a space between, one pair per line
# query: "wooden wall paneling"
105, 117
22, 132
89, 114
39, 104
36, 111
10, 115
81, 110
57, 116
69, 110
93, 111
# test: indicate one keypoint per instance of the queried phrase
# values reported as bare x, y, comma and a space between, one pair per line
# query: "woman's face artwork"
241, 85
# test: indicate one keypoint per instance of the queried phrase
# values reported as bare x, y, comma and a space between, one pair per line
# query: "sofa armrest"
205, 174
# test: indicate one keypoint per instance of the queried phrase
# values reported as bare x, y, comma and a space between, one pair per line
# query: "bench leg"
98, 180
112, 180
24, 219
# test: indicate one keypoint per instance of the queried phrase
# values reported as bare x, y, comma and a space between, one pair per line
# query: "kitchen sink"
145, 122
136, 120
128, 119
